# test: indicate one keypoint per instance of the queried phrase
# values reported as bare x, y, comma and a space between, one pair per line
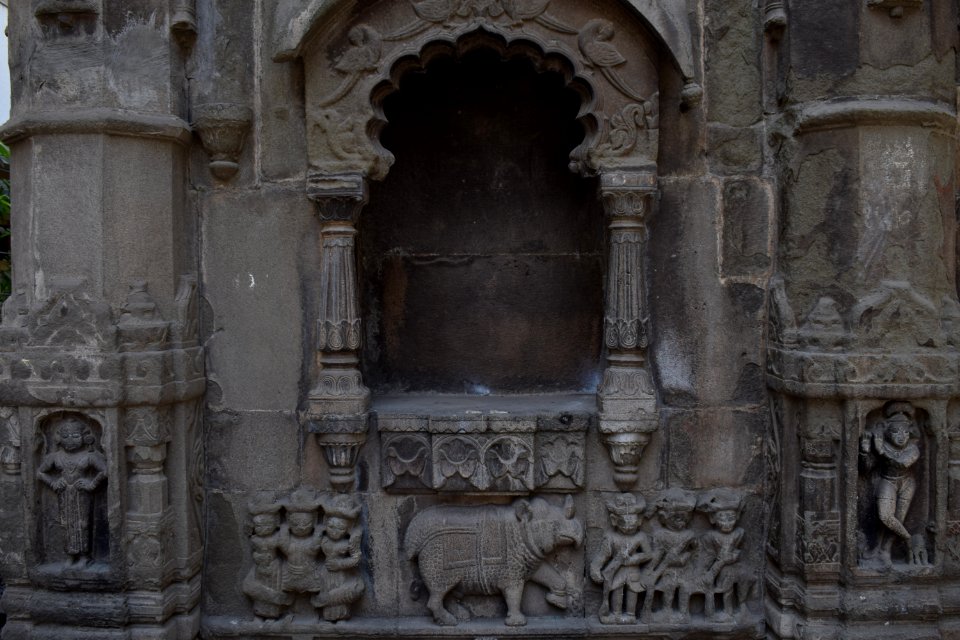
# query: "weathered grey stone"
716, 447
694, 365
746, 229
238, 442
475, 318
732, 63
256, 301
734, 150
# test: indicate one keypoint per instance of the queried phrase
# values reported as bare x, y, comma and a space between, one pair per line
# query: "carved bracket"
896, 8
775, 18
67, 17
340, 438
183, 24
222, 128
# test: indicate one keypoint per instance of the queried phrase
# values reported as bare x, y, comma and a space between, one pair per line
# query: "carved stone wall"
645, 325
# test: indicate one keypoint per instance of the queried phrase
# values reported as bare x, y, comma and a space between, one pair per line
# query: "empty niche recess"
482, 254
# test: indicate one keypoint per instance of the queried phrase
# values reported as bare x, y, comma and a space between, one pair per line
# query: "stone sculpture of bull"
490, 549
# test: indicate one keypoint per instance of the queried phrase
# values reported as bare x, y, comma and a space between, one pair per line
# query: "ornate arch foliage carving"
353, 57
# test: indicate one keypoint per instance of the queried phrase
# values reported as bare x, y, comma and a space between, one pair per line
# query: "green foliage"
5, 264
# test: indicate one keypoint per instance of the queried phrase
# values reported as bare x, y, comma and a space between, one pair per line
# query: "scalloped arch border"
455, 45
665, 18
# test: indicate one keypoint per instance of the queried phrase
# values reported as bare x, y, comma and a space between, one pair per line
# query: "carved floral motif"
511, 13
406, 457
483, 461
622, 131
10, 451
560, 461
818, 538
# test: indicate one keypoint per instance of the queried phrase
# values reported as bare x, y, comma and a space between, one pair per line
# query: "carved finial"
223, 128
139, 307
67, 17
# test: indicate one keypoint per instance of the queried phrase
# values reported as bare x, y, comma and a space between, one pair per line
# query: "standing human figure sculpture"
300, 544
892, 450
674, 545
720, 555
74, 470
618, 563
340, 576
263, 583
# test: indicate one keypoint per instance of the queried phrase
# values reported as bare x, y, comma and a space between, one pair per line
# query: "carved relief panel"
73, 473
611, 55
305, 545
483, 453
680, 558
897, 489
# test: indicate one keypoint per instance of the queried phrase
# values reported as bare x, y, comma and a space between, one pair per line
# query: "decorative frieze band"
481, 454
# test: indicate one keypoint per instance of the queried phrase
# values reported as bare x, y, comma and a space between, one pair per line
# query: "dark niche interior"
482, 253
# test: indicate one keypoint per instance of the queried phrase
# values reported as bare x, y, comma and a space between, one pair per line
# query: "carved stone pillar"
100, 415
628, 403
861, 355
339, 401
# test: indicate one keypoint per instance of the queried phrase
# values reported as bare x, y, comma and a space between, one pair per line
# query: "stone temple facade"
482, 319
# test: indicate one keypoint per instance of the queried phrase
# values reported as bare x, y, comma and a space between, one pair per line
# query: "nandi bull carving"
491, 549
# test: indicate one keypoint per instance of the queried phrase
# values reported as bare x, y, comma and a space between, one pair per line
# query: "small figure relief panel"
687, 563
952, 542
72, 472
305, 546
494, 550
896, 489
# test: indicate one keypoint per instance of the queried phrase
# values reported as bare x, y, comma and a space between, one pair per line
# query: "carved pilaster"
10, 451
818, 525
147, 434
628, 405
338, 401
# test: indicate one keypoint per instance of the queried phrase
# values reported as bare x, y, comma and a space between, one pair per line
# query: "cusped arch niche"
354, 53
